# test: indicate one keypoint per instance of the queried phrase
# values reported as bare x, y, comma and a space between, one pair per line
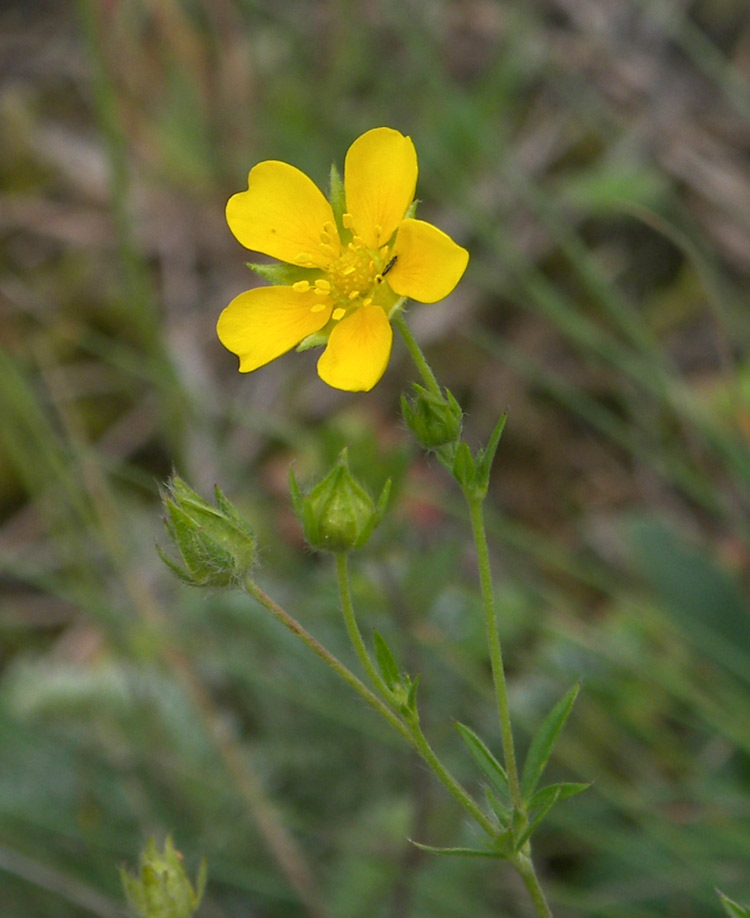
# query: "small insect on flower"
388, 267
348, 264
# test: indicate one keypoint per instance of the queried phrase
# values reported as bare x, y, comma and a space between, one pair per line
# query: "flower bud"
338, 514
435, 420
161, 888
216, 544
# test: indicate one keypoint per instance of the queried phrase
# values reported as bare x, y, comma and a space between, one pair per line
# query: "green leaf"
386, 661
560, 792
733, 909
541, 746
522, 839
487, 762
486, 457
503, 812
457, 852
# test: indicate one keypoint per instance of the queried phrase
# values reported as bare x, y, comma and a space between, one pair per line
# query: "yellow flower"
349, 263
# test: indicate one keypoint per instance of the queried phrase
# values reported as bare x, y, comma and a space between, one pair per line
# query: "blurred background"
594, 157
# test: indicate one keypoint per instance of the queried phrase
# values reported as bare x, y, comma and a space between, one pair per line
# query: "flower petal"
380, 178
358, 351
262, 324
282, 214
428, 262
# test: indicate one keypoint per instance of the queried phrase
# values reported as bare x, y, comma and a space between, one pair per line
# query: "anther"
302, 259
318, 307
348, 221
338, 314
301, 286
354, 294
322, 284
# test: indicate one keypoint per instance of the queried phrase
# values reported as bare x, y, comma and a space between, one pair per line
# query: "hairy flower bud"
161, 888
216, 544
435, 420
338, 514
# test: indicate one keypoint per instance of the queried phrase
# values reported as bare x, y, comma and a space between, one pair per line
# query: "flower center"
352, 275
352, 278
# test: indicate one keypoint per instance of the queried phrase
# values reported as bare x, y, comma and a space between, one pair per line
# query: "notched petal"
282, 214
428, 262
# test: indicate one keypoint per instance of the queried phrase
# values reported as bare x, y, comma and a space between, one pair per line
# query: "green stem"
425, 370
421, 744
417, 738
525, 868
411, 732
336, 665
355, 635
493, 642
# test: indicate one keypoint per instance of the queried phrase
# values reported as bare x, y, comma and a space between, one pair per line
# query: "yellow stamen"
319, 307
322, 284
338, 314
301, 286
348, 221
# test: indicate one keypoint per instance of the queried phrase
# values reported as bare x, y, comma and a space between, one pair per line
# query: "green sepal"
337, 198
316, 339
411, 699
486, 761
457, 852
560, 792
464, 468
282, 274
733, 909
161, 888
542, 744
386, 662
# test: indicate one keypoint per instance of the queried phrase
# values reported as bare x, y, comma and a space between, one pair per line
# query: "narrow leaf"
386, 661
542, 744
561, 792
456, 852
487, 456
500, 810
733, 909
521, 840
487, 762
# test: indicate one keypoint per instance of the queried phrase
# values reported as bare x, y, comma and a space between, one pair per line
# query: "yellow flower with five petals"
349, 264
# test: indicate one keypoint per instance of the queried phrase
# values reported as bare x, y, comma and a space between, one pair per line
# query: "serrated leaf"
561, 792
542, 744
457, 852
486, 761
733, 909
386, 661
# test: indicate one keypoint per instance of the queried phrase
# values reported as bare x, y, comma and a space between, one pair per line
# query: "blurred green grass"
593, 158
